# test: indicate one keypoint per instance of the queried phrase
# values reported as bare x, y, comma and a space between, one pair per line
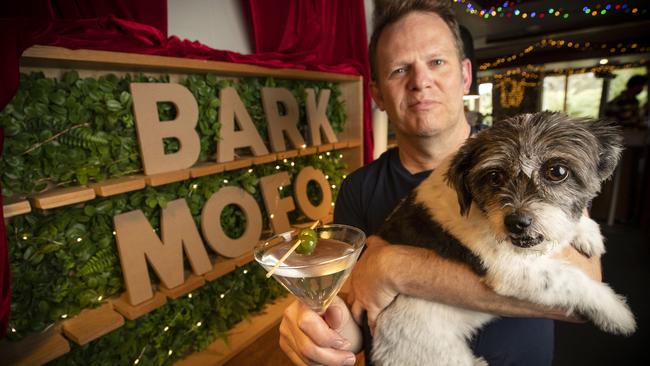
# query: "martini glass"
317, 277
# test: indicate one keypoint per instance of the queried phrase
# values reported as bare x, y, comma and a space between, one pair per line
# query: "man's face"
419, 81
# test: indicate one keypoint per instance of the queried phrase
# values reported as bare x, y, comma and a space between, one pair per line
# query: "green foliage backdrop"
73, 130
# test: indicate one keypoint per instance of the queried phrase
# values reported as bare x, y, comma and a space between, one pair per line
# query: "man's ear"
457, 175
376, 95
466, 70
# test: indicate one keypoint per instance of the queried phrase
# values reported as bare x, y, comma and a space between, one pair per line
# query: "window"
485, 102
553, 93
577, 95
583, 95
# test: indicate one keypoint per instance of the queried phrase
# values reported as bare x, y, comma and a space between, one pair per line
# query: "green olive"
308, 233
308, 239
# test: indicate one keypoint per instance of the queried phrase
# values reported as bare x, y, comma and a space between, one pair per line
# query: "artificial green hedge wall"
70, 131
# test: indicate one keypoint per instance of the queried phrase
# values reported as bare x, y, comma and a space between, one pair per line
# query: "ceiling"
506, 35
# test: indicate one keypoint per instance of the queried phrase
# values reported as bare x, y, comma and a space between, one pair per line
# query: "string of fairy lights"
532, 72
612, 49
514, 82
510, 9
198, 324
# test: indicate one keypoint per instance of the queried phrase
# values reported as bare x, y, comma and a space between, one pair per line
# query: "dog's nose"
517, 222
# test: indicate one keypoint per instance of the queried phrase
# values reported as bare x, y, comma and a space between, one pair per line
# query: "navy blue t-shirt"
369, 195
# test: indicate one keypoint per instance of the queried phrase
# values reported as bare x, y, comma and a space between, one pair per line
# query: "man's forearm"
419, 272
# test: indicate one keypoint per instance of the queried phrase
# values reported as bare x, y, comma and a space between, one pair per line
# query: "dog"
511, 197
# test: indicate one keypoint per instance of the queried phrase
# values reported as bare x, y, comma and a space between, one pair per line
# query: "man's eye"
399, 70
437, 62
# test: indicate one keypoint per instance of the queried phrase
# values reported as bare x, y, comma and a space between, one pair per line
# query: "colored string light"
509, 10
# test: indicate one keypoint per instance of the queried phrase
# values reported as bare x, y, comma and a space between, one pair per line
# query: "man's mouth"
422, 104
525, 241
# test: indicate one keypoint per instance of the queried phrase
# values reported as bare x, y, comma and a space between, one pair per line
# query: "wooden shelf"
166, 178
308, 150
240, 336
35, 349
237, 164
115, 186
124, 307
91, 324
287, 154
62, 197
204, 169
223, 266
192, 282
16, 208
264, 159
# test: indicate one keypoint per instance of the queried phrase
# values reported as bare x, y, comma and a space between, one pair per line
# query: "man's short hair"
636, 81
388, 12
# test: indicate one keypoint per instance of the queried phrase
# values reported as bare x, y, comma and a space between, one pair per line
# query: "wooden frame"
53, 61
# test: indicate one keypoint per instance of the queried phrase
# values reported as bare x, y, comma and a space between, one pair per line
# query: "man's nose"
420, 78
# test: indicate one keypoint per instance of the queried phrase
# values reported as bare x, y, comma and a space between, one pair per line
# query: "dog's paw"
480, 361
614, 315
588, 239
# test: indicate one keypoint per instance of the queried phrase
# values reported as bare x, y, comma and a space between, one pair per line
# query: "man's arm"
387, 270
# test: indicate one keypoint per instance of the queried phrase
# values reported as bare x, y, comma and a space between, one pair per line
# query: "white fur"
412, 331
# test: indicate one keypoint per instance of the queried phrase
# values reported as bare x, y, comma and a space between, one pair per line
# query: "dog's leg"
588, 239
417, 332
550, 282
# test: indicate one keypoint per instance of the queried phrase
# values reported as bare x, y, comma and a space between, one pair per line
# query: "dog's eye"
556, 173
494, 178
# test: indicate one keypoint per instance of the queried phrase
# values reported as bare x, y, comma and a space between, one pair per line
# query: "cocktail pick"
288, 253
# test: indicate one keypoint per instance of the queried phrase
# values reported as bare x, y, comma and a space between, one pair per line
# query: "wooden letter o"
306, 175
214, 234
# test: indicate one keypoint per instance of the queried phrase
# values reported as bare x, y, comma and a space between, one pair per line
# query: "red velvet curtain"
306, 34
150, 12
5, 274
312, 33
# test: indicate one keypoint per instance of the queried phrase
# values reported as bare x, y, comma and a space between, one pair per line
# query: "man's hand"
309, 339
371, 289
590, 266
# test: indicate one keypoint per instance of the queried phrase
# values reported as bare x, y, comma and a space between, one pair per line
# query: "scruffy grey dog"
510, 198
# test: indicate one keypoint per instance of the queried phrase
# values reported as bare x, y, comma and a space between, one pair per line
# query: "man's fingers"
320, 333
323, 356
294, 357
307, 339
288, 344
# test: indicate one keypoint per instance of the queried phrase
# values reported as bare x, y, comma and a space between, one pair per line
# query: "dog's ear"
456, 176
610, 141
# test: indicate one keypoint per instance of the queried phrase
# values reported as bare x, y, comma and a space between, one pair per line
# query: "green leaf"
125, 97
113, 105
70, 77
152, 202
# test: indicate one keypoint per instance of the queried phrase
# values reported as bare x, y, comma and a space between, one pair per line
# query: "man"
624, 109
419, 77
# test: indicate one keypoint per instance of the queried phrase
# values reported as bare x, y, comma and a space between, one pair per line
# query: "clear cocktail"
317, 277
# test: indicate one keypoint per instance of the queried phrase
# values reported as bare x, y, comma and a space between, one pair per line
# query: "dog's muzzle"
518, 224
